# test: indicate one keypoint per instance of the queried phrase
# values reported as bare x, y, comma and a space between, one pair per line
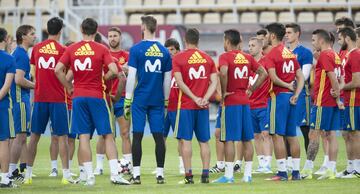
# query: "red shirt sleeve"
269, 62
223, 61
296, 64
176, 66
107, 58
355, 63
326, 62
32, 58
254, 64
65, 58
212, 66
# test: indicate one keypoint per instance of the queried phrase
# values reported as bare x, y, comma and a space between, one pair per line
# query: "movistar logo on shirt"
49, 64
49, 49
197, 74
252, 79
154, 51
287, 54
288, 67
83, 66
241, 73
153, 67
196, 58
240, 59
84, 50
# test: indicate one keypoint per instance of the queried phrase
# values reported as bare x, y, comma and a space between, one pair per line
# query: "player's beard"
114, 46
344, 46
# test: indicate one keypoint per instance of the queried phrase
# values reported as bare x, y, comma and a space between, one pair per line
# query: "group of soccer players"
265, 95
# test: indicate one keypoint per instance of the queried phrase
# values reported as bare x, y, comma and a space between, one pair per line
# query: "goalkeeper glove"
127, 105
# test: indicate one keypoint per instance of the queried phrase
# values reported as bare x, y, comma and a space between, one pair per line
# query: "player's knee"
125, 135
314, 135
217, 134
346, 135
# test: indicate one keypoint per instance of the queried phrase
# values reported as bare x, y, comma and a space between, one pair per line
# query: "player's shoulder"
305, 50
6, 57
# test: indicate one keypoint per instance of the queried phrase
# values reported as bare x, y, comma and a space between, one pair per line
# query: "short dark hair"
325, 35
150, 22
22, 31
344, 21
344, 32
172, 42
261, 32
332, 38
98, 38
54, 25
357, 30
89, 26
276, 28
115, 29
192, 36
295, 27
3, 34
233, 36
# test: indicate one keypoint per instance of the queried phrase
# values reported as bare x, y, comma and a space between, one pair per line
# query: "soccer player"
195, 74
150, 63
325, 114
114, 37
283, 70
236, 125
305, 59
87, 60
261, 34
7, 73
258, 106
342, 23
174, 47
44, 57
20, 95
347, 38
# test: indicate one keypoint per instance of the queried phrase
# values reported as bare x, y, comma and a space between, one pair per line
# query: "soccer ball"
124, 166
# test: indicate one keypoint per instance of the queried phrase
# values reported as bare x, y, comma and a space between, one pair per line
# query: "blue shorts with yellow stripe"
259, 118
303, 107
282, 115
218, 118
119, 108
325, 118
90, 114
170, 119
56, 112
352, 118
71, 134
236, 124
6, 124
189, 122
154, 114
21, 114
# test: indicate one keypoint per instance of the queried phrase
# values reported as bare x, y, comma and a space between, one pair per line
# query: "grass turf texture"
44, 184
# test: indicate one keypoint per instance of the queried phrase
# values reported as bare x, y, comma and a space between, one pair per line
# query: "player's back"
259, 97
6, 66
87, 60
352, 97
328, 61
285, 64
151, 60
195, 67
44, 57
240, 66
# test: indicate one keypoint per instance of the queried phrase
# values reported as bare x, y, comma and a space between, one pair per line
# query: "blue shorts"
260, 119
169, 122
352, 118
154, 114
90, 114
21, 114
282, 115
56, 112
325, 118
119, 108
218, 118
192, 121
236, 124
6, 124
303, 107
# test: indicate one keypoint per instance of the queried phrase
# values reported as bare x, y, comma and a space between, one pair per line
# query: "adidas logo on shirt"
49, 49
240, 59
84, 50
196, 58
153, 51
337, 59
287, 54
